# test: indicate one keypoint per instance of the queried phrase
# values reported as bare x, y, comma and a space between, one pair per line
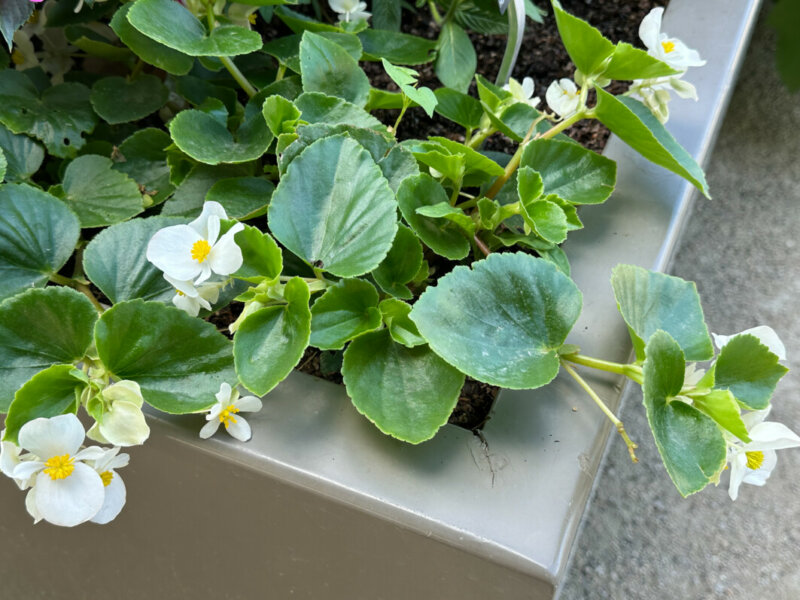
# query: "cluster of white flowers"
655, 93
190, 254
66, 485
350, 10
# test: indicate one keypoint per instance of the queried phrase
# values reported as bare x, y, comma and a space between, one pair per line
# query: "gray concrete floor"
640, 540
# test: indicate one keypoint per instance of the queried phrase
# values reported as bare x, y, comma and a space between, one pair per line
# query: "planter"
320, 505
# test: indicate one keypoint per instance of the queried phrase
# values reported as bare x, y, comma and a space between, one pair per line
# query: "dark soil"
541, 57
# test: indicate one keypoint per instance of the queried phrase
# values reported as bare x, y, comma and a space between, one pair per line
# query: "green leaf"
749, 370
398, 165
187, 201
62, 12
142, 96
721, 406
546, 218
39, 328
97, 193
628, 63
271, 341
784, 17
300, 23
345, 311
334, 208
586, 46
635, 124
149, 50
402, 329
570, 171
286, 49
261, 256
13, 14
115, 261
456, 60
689, 442
398, 48
319, 108
143, 158
37, 236
407, 393
173, 25
501, 322
99, 43
424, 190
281, 115
400, 265
50, 393
23, 155
178, 361
58, 116
443, 210
328, 68
476, 163
459, 108
482, 16
406, 79
199, 91
242, 197
651, 301
374, 142
386, 14
529, 184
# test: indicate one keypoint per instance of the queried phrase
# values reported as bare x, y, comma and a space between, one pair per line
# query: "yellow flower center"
754, 460
252, 18
200, 250
668, 46
106, 476
226, 416
17, 57
59, 467
180, 293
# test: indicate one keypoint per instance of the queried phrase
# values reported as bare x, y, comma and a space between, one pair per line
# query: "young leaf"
586, 46
39, 328
334, 208
271, 341
38, 234
400, 265
651, 301
178, 361
328, 68
721, 406
286, 49
115, 261
635, 124
319, 108
407, 393
345, 311
456, 60
689, 442
280, 114
402, 329
142, 96
23, 155
502, 321
749, 370
406, 79
546, 218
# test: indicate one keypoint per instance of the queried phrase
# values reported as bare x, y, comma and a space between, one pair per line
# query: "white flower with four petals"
226, 412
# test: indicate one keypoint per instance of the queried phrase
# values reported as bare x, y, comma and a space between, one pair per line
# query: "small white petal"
9, 456
189, 305
113, 502
124, 425
170, 249
226, 257
249, 404
90, 453
770, 435
738, 472
124, 391
240, 429
25, 469
184, 287
72, 500
55, 436
209, 429
30, 505
650, 28
202, 224
223, 396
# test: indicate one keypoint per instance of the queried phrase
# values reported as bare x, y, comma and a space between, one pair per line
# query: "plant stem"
406, 104
448, 16
633, 372
483, 247
437, 18
477, 139
607, 411
225, 60
137, 68
77, 285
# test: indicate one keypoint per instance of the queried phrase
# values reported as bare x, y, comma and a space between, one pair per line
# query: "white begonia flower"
122, 423
191, 299
115, 488
66, 491
522, 92
563, 96
350, 10
195, 251
669, 50
226, 411
753, 462
766, 335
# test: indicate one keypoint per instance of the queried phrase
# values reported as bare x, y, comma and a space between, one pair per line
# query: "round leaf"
143, 158
400, 265
343, 312
328, 68
407, 393
23, 155
502, 321
142, 96
334, 208
261, 256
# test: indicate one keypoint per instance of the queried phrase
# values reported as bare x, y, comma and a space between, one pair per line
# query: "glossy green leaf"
635, 124
143, 158
456, 60
570, 171
475, 163
58, 116
749, 370
721, 406
23, 155
398, 48
242, 197
320, 108
586, 46
628, 63
40, 328
402, 329
299, 23
13, 14
650, 301
334, 208
328, 68
37, 236
400, 265
261, 256
173, 25
459, 108
149, 50
142, 96
690, 443
407, 393
178, 361
345, 311
502, 321
546, 219
424, 190
49, 393
515, 120
529, 184
187, 201
97, 193
271, 341
115, 261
